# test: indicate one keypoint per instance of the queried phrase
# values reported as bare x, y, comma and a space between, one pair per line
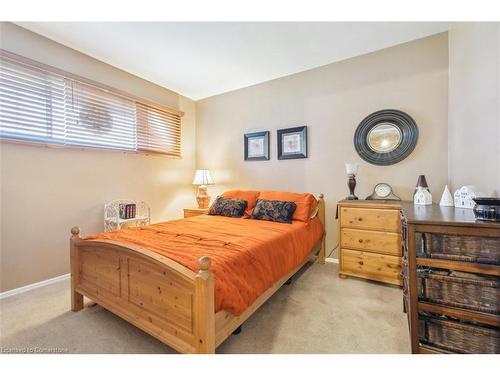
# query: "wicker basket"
459, 337
459, 248
467, 293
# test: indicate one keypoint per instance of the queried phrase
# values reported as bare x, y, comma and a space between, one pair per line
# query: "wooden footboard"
158, 295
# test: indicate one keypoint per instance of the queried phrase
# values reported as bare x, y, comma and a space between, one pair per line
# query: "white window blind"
43, 106
96, 118
31, 104
157, 130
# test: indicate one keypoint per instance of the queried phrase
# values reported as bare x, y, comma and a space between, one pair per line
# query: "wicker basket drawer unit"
370, 241
458, 337
460, 289
451, 266
458, 248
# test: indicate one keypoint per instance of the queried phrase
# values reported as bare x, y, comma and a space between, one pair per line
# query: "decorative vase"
446, 198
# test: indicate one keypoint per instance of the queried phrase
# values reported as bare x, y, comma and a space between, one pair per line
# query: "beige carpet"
317, 313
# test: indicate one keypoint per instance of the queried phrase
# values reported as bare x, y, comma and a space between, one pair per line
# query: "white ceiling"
201, 59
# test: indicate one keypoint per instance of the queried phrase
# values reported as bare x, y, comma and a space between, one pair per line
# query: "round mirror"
386, 137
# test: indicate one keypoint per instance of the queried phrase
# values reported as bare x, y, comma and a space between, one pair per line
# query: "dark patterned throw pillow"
228, 207
278, 211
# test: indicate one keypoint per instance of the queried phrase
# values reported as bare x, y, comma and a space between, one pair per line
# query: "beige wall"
474, 106
331, 101
44, 192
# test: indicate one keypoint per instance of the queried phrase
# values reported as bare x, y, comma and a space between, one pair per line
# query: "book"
127, 211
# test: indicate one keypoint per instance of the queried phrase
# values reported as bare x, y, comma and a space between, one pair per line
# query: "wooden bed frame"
159, 295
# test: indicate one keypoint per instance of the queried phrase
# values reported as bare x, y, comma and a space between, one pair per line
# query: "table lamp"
202, 178
351, 170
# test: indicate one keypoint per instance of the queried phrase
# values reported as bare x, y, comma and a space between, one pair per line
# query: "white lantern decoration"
422, 197
446, 198
463, 196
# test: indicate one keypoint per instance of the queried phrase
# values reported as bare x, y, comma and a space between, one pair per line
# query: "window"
44, 105
31, 104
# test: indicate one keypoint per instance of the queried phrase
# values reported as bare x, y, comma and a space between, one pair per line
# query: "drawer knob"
361, 263
360, 219
360, 240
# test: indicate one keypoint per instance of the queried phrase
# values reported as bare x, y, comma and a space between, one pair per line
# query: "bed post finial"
205, 263
75, 232
321, 196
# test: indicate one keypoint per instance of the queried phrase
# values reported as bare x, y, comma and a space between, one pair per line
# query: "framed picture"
257, 146
292, 143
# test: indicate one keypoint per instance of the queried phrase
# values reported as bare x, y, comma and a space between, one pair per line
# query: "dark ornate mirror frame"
409, 136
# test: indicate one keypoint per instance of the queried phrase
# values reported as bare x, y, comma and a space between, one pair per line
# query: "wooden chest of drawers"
370, 240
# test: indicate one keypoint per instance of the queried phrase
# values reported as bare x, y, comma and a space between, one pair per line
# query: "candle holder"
351, 170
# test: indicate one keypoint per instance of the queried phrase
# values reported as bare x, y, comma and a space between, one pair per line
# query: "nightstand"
188, 212
370, 240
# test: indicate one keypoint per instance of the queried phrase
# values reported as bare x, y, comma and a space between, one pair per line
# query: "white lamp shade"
202, 177
351, 168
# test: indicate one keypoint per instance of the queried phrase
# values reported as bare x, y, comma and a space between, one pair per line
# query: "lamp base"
351, 183
202, 197
203, 202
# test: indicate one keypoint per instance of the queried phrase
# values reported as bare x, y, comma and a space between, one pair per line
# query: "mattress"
248, 256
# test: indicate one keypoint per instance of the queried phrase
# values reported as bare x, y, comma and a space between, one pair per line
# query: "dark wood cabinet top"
431, 214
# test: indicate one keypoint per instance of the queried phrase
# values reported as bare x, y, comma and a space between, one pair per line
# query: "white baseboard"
332, 260
26, 288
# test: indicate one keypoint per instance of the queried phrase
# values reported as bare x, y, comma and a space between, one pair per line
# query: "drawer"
367, 240
465, 291
472, 249
370, 218
457, 336
380, 267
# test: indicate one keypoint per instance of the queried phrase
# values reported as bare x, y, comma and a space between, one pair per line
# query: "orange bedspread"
248, 256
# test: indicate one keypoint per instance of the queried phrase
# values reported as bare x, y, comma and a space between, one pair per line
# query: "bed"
192, 282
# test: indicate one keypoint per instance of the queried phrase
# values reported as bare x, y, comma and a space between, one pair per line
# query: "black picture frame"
301, 152
249, 137
407, 128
